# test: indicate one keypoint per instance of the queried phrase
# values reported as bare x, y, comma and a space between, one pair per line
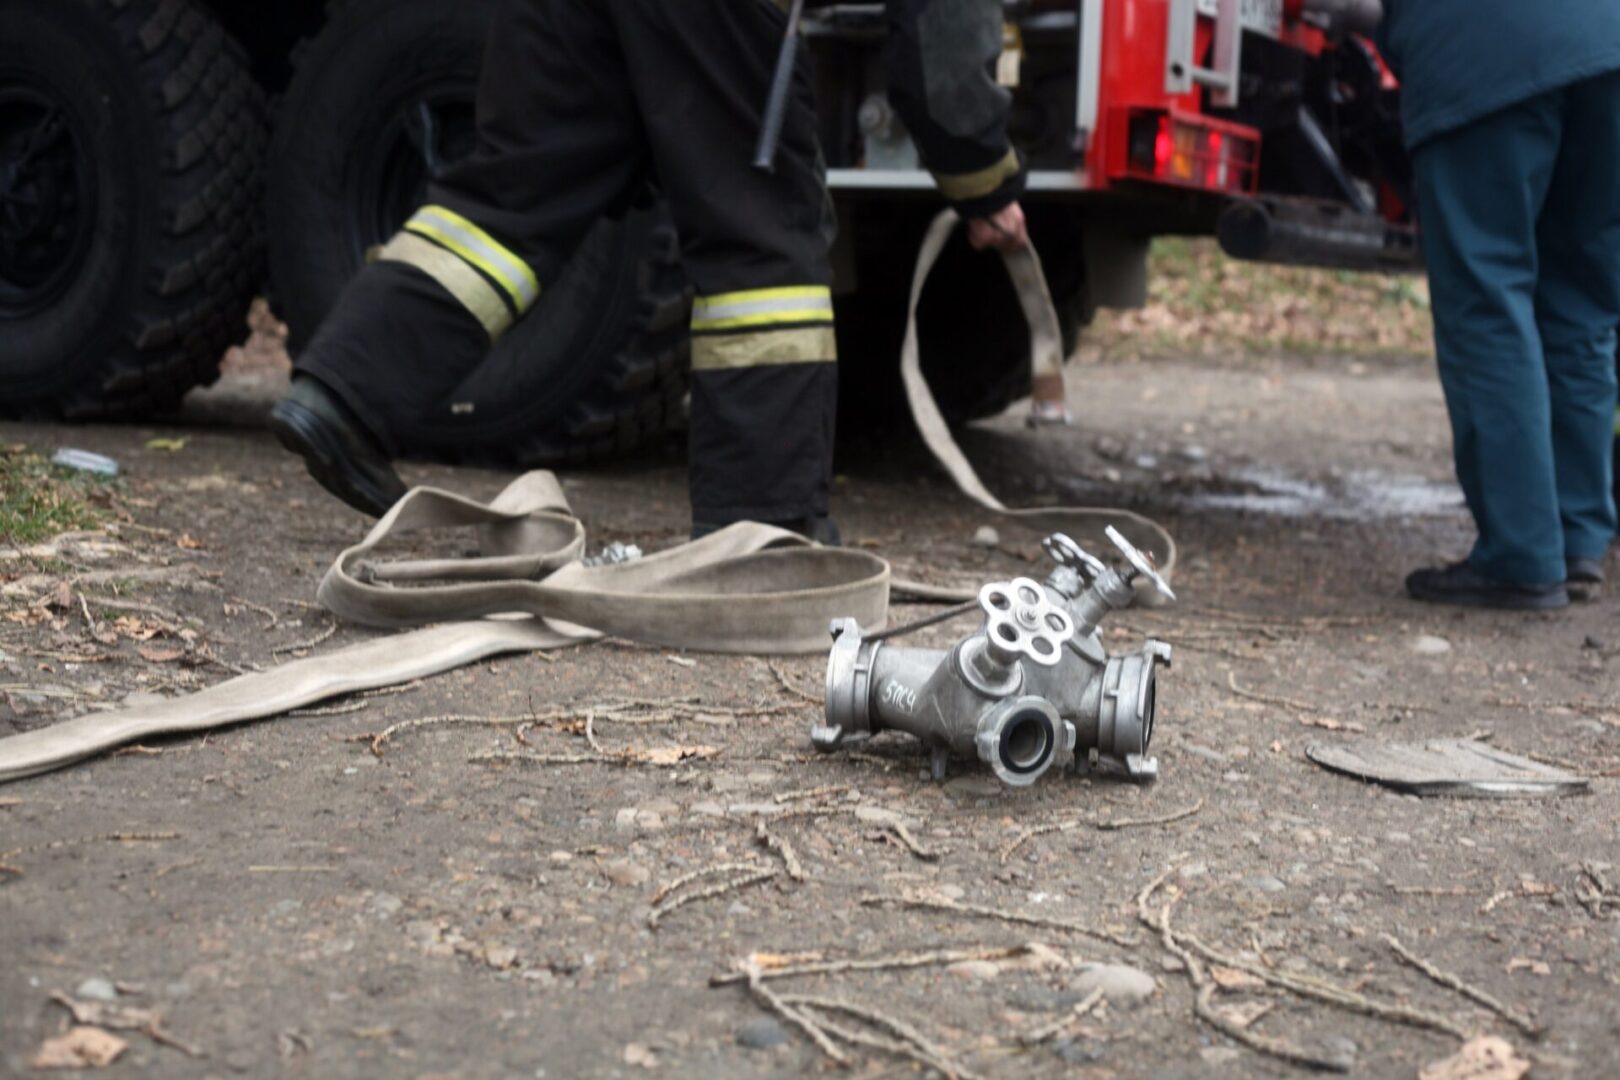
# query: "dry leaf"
1247, 1013
170, 445
30, 616
159, 655
189, 542
1233, 979
1330, 724
136, 629
1524, 963
1537, 888
80, 1048
1485, 1058
63, 597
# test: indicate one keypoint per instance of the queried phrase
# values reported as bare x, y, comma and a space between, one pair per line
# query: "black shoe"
818, 527
338, 451
1460, 583
1583, 578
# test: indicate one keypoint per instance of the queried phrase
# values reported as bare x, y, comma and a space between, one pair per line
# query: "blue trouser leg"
1482, 191
1578, 308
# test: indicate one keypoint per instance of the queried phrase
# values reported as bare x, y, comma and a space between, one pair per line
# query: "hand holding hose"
1004, 230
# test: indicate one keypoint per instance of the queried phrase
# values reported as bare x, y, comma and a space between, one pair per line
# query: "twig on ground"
757, 877
811, 793
378, 739
300, 646
941, 903
1331, 993
1269, 699
499, 758
275, 620
1431, 890
52, 845
280, 869
124, 604
1039, 1035
1038, 830
905, 839
1132, 823
899, 962
780, 845
333, 710
787, 684
1473, 993
1496, 898
690, 876
1594, 899
763, 994
1204, 991
912, 1043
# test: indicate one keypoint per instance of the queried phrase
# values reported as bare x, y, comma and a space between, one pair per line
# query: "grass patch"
39, 500
1201, 302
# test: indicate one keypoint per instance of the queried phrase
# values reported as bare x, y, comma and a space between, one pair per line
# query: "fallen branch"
1473, 993
333, 710
780, 845
955, 907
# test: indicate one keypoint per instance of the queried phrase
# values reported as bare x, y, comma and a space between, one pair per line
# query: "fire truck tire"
379, 98
973, 340
131, 139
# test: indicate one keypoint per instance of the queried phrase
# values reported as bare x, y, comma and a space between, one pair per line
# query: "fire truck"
164, 162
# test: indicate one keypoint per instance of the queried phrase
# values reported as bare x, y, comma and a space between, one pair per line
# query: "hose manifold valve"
1033, 686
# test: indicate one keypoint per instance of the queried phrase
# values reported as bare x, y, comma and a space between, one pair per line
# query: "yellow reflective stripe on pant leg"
449, 229
732, 352
763, 307
454, 276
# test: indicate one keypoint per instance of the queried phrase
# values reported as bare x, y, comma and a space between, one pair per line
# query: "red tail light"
1189, 150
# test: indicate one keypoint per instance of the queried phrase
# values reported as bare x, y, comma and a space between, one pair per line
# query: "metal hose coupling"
1033, 686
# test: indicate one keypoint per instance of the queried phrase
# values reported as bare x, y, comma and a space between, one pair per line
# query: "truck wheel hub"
46, 194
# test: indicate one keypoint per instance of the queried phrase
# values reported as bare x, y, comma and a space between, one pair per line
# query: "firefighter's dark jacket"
939, 60
1459, 60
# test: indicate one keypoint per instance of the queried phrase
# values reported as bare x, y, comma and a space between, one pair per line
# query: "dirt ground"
321, 910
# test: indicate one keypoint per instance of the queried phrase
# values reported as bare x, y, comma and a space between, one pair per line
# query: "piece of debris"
85, 461
1429, 645
985, 536
1488, 1057
80, 1048
1456, 767
1121, 984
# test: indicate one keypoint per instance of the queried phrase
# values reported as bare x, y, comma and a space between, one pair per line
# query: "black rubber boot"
339, 452
1460, 583
1583, 578
820, 527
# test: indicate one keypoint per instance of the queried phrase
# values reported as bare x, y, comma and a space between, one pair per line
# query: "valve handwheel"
1140, 563
1021, 622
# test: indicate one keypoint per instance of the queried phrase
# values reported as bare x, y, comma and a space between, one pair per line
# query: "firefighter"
581, 101
1512, 116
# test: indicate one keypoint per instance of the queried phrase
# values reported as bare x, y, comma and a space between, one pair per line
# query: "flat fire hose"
748, 588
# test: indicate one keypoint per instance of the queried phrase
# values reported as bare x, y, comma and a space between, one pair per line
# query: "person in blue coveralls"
1512, 115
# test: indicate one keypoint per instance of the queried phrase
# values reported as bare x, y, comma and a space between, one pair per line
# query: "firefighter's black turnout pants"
581, 103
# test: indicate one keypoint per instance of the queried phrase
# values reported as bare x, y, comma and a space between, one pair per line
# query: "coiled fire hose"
749, 588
